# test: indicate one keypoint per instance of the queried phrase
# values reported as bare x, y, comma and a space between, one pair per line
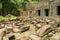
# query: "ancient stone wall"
51, 8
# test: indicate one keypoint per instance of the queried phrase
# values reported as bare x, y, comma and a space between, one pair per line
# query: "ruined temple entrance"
58, 10
38, 12
46, 12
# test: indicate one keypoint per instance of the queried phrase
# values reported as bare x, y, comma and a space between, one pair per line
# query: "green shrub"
6, 18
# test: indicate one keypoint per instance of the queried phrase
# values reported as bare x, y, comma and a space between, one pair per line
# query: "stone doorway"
38, 12
58, 10
46, 12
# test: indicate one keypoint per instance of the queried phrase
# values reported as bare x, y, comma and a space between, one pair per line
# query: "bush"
6, 18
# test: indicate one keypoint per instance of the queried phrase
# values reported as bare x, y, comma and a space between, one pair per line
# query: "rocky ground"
32, 28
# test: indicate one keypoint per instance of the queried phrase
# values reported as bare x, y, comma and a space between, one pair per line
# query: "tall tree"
9, 6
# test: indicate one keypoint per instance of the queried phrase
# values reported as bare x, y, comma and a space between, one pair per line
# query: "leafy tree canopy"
0, 5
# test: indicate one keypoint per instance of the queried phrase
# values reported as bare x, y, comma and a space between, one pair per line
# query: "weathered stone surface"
19, 36
8, 26
10, 34
56, 36
2, 33
26, 28
38, 25
16, 30
5, 38
34, 37
1, 26
33, 22
58, 29
43, 29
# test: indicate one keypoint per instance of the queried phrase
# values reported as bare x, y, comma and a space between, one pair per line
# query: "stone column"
34, 13
42, 13
54, 11
50, 9
28, 14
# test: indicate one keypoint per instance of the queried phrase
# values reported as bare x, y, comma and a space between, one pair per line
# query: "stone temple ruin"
41, 23
43, 8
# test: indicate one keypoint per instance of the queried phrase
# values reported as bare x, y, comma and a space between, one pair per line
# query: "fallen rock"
33, 22
19, 36
38, 20
1, 26
34, 37
8, 26
56, 36
43, 29
57, 29
16, 30
10, 34
38, 25
23, 29
5, 38
2, 33
42, 20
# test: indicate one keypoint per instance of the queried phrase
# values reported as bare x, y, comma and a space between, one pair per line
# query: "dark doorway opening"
12, 38
38, 12
58, 10
47, 12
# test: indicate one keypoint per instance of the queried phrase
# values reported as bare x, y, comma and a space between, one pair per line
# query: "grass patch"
6, 18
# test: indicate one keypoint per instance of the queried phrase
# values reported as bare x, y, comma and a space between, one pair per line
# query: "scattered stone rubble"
30, 29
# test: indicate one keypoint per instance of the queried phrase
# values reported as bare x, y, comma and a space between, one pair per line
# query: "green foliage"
34, 0
3, 18
0, 5
12, 6
6, 18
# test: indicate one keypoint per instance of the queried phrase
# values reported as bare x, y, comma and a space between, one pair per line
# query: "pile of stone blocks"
28, 28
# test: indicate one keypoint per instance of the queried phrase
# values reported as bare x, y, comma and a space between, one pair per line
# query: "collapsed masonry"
29, 28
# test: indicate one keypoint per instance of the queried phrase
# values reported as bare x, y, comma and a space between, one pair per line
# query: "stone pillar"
54, 11
50, 9
28, 14
34, 13
42, 13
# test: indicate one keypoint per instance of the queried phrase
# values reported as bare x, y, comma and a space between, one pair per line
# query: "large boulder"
25, 28
42, 30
